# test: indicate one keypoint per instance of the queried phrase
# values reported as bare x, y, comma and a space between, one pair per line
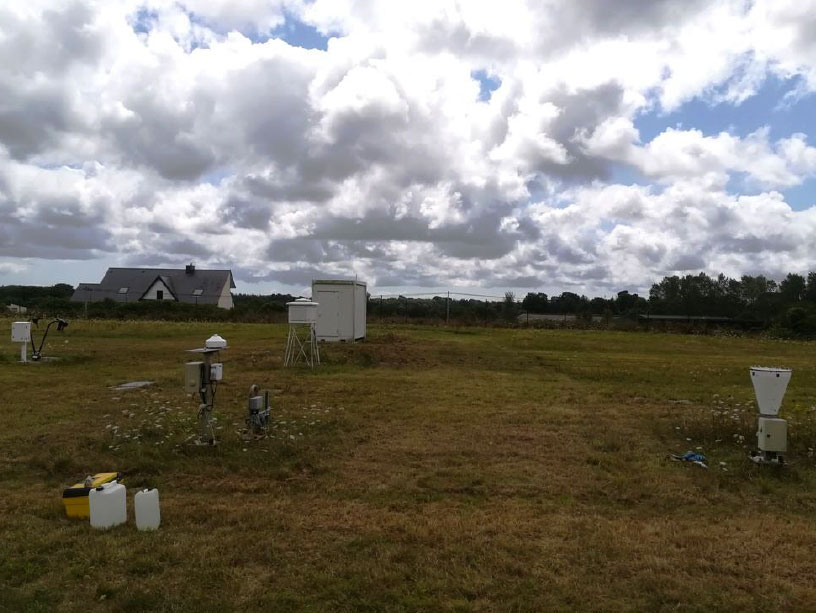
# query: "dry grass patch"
426, 469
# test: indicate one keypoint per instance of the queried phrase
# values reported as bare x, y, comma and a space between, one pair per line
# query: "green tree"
535, 303
755, 287
810, 289
792, 288
509, 307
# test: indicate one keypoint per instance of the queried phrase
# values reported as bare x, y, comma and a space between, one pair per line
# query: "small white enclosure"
772, 434
769, 387
20, 331
302, 311
341, 311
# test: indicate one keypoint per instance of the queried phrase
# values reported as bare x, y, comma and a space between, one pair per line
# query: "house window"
160, 294
123, 290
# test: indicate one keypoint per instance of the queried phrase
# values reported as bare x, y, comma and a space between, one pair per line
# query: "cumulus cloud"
157, 131
688, 154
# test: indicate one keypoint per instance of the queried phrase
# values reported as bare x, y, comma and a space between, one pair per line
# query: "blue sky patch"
802, 196
144, 21
487, 83
624, 174
297, 34
768, 107
214, 177
292, 30
799, 198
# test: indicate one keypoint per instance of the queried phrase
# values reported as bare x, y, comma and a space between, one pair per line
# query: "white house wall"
158, 284
225, 299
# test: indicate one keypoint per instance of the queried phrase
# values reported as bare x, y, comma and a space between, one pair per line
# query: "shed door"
328, 313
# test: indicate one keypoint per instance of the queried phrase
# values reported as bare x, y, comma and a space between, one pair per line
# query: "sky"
522, 145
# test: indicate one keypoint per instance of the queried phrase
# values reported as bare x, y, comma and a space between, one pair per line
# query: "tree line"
788, 305
749, 297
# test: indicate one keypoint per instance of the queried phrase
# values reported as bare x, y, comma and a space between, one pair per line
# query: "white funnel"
769, 387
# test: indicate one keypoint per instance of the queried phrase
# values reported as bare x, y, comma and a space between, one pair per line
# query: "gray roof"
338, 282
130, 284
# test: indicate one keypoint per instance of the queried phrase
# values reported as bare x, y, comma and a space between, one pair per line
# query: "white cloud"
13, 267
154, 131
676, 155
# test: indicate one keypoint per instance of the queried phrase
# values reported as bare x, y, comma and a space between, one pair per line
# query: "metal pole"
23, 352
447, 309
205, 431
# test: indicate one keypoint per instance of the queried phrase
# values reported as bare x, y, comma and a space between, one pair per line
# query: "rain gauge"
770, 385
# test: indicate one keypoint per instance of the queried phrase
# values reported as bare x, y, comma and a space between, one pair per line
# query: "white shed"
341, 314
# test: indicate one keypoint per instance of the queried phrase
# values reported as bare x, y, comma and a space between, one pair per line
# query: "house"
16, 308
186, 284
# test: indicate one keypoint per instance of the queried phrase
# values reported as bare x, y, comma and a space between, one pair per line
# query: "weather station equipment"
202, 378
301, 343
21, 333
257, 420
770, 385
341, 312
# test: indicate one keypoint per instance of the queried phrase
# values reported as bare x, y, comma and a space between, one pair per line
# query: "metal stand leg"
293, 348
297, 348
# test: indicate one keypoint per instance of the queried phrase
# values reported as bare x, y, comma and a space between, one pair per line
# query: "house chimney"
189, 269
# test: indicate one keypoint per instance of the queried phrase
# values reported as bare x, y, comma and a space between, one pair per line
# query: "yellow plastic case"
75, 498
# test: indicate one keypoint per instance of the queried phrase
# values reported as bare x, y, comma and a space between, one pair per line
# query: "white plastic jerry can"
108, 505
146, 505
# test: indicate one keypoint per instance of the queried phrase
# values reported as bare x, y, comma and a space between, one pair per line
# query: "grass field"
426, 469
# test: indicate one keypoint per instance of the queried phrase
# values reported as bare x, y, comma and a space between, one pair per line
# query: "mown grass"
426, 469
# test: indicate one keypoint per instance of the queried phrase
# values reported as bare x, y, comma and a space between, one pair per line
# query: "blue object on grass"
690, 456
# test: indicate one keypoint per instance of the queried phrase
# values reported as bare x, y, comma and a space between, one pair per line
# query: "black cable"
37, 352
